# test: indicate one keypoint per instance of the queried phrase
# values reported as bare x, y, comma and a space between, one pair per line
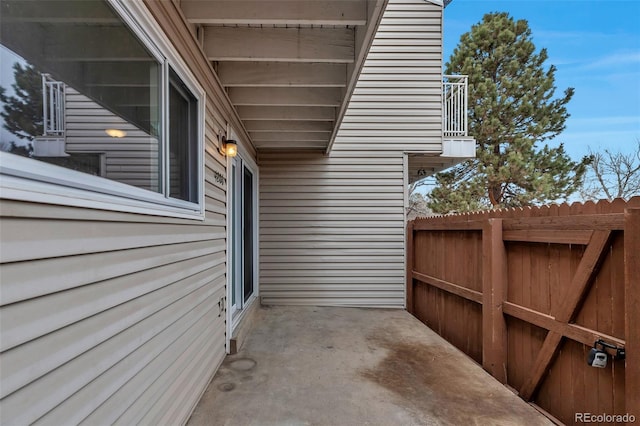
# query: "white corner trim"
405, 207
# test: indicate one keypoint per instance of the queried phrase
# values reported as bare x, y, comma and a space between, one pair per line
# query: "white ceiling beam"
287, 113
290, 137
279, 44
291, 145
290, 12
279, 96
282, 74
288, 126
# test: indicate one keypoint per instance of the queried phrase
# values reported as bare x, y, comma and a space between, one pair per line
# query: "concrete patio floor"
349, 366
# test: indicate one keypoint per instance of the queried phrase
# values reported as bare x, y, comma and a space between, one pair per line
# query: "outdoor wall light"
228, 147
115, 133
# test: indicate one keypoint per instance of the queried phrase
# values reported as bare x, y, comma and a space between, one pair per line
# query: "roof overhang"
288, 66
454, 151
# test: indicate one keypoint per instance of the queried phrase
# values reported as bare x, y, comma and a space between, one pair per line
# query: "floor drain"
243, 364
226, 387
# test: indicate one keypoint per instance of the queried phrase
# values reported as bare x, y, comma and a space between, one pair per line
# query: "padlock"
597, 358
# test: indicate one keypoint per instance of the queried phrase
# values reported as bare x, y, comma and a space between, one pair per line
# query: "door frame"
244, 158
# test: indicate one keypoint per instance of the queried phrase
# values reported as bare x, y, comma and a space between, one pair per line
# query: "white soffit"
289, 66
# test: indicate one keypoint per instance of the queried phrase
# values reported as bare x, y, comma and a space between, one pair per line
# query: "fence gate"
527, 293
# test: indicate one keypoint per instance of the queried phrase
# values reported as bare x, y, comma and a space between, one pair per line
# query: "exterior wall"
113, 317
332, 227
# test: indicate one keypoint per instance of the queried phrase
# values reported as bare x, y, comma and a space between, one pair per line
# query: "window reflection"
183, 144
79, 90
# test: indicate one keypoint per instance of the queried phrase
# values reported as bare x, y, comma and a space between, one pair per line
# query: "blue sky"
596, 47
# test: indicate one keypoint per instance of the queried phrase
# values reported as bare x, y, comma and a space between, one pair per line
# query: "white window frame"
26, 179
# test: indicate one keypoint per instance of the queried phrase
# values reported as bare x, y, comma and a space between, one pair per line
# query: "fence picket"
513, 289
632, 311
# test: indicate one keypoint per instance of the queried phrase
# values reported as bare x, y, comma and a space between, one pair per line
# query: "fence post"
494, 287
409, 272
632, 310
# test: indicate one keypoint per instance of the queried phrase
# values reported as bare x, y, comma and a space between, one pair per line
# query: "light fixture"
228, 147
115, 133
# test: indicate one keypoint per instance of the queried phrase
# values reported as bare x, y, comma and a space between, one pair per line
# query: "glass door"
247, 233
243, 235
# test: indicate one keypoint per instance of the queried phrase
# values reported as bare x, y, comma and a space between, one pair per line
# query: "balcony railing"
52, 106
454, 106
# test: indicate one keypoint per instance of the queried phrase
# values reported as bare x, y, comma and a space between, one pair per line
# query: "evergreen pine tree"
512, 110
22, 113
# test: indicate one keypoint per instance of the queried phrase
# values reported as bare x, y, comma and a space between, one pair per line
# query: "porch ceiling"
289, 66
454, 151
423, 165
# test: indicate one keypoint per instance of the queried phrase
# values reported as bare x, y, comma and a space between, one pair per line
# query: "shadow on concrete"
350, 366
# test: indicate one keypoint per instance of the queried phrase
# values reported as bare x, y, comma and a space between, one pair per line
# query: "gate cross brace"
572, 302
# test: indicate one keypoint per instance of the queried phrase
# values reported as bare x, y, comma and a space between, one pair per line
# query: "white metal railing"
52, 106
454, 105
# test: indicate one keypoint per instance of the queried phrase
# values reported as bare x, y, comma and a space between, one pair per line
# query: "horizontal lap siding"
329, 236
111, 317
332, 227
90, 304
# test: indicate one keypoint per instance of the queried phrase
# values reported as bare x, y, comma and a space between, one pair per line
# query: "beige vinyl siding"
332, 227
331, 234
109, 317
93, 301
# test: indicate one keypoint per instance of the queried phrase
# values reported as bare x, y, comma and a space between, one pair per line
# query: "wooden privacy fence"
527, 292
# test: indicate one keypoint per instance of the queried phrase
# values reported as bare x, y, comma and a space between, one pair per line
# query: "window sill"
25, 179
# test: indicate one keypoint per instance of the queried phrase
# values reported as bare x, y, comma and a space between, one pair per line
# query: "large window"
85, 88
183, 142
